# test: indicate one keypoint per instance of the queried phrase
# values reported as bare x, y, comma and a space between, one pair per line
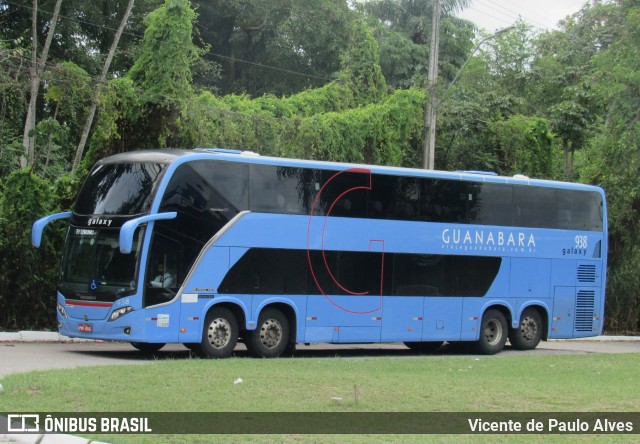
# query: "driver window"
161, 280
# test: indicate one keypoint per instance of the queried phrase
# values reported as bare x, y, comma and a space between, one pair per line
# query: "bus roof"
172, 155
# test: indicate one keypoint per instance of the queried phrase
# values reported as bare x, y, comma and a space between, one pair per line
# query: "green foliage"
361, 65
382, 133
163, 68
27, 275
403, 31
612, 160
277, 46
325, 79
524, 146
120, 108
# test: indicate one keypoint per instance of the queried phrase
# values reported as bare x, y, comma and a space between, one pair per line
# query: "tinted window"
277, 271
534, 207
267, 271
491, 204
344, 194
281, 189
206, 195
444, 201
394, 198
361, 272
418, 275
118, 189
579, 210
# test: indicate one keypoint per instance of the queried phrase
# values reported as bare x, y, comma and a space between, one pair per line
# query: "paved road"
18, 357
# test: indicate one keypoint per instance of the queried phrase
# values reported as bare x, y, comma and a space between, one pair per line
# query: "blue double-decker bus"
209, 247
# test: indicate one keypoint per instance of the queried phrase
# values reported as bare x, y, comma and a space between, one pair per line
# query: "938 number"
581, 241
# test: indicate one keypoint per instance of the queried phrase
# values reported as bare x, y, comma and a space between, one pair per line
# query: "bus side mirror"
38, 226
128, 229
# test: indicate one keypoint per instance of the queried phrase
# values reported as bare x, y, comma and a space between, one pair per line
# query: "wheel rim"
529, 328
219, 333
271, 333
493, 332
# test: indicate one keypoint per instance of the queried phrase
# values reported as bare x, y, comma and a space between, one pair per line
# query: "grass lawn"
555, 383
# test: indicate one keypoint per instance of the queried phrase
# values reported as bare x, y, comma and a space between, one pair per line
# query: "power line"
506, 16
136, 35
270, 67
518, 14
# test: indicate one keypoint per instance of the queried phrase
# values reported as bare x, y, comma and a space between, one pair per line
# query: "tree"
96, 96
163, 69
27, 275
403, 28
28, 138
278, 46
611, 159
571, 120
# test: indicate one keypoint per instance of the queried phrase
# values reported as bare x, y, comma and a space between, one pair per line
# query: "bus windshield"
93, 267
118, 189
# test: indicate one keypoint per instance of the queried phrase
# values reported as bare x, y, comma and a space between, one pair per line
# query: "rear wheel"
148, 347
219, 334
424, 347
493, 333
529, 333
271, 338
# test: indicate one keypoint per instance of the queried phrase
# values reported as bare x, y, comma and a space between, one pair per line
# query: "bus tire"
493, 333
424, 346
529, 333
219, 334
148, 347
271, 338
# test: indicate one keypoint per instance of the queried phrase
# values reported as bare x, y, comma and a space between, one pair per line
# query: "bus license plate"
84, 328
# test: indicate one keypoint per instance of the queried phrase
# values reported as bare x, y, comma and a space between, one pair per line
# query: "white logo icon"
22, 423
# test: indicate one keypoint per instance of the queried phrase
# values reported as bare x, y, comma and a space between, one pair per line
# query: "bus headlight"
119, 313
61, 310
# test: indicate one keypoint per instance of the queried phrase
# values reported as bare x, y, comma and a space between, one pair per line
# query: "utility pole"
429, 131
428, 151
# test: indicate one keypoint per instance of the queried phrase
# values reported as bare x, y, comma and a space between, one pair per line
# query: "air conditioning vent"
585, 309
586, 273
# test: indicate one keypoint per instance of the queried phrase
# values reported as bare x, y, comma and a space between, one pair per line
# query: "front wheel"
529, 333
148, 347
493, 333
271, 338
219, 334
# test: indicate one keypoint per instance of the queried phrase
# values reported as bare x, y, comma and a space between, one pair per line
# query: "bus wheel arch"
532, 328
275, 332
494, 329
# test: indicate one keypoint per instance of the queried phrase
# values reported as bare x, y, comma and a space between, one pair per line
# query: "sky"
497, 14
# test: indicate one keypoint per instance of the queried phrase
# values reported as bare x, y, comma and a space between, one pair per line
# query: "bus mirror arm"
128, 228
38, 226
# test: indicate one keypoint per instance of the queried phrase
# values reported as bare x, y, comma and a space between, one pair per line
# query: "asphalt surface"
24, 356
29, 351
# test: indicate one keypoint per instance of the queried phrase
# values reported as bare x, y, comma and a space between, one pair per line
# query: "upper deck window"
118, 189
